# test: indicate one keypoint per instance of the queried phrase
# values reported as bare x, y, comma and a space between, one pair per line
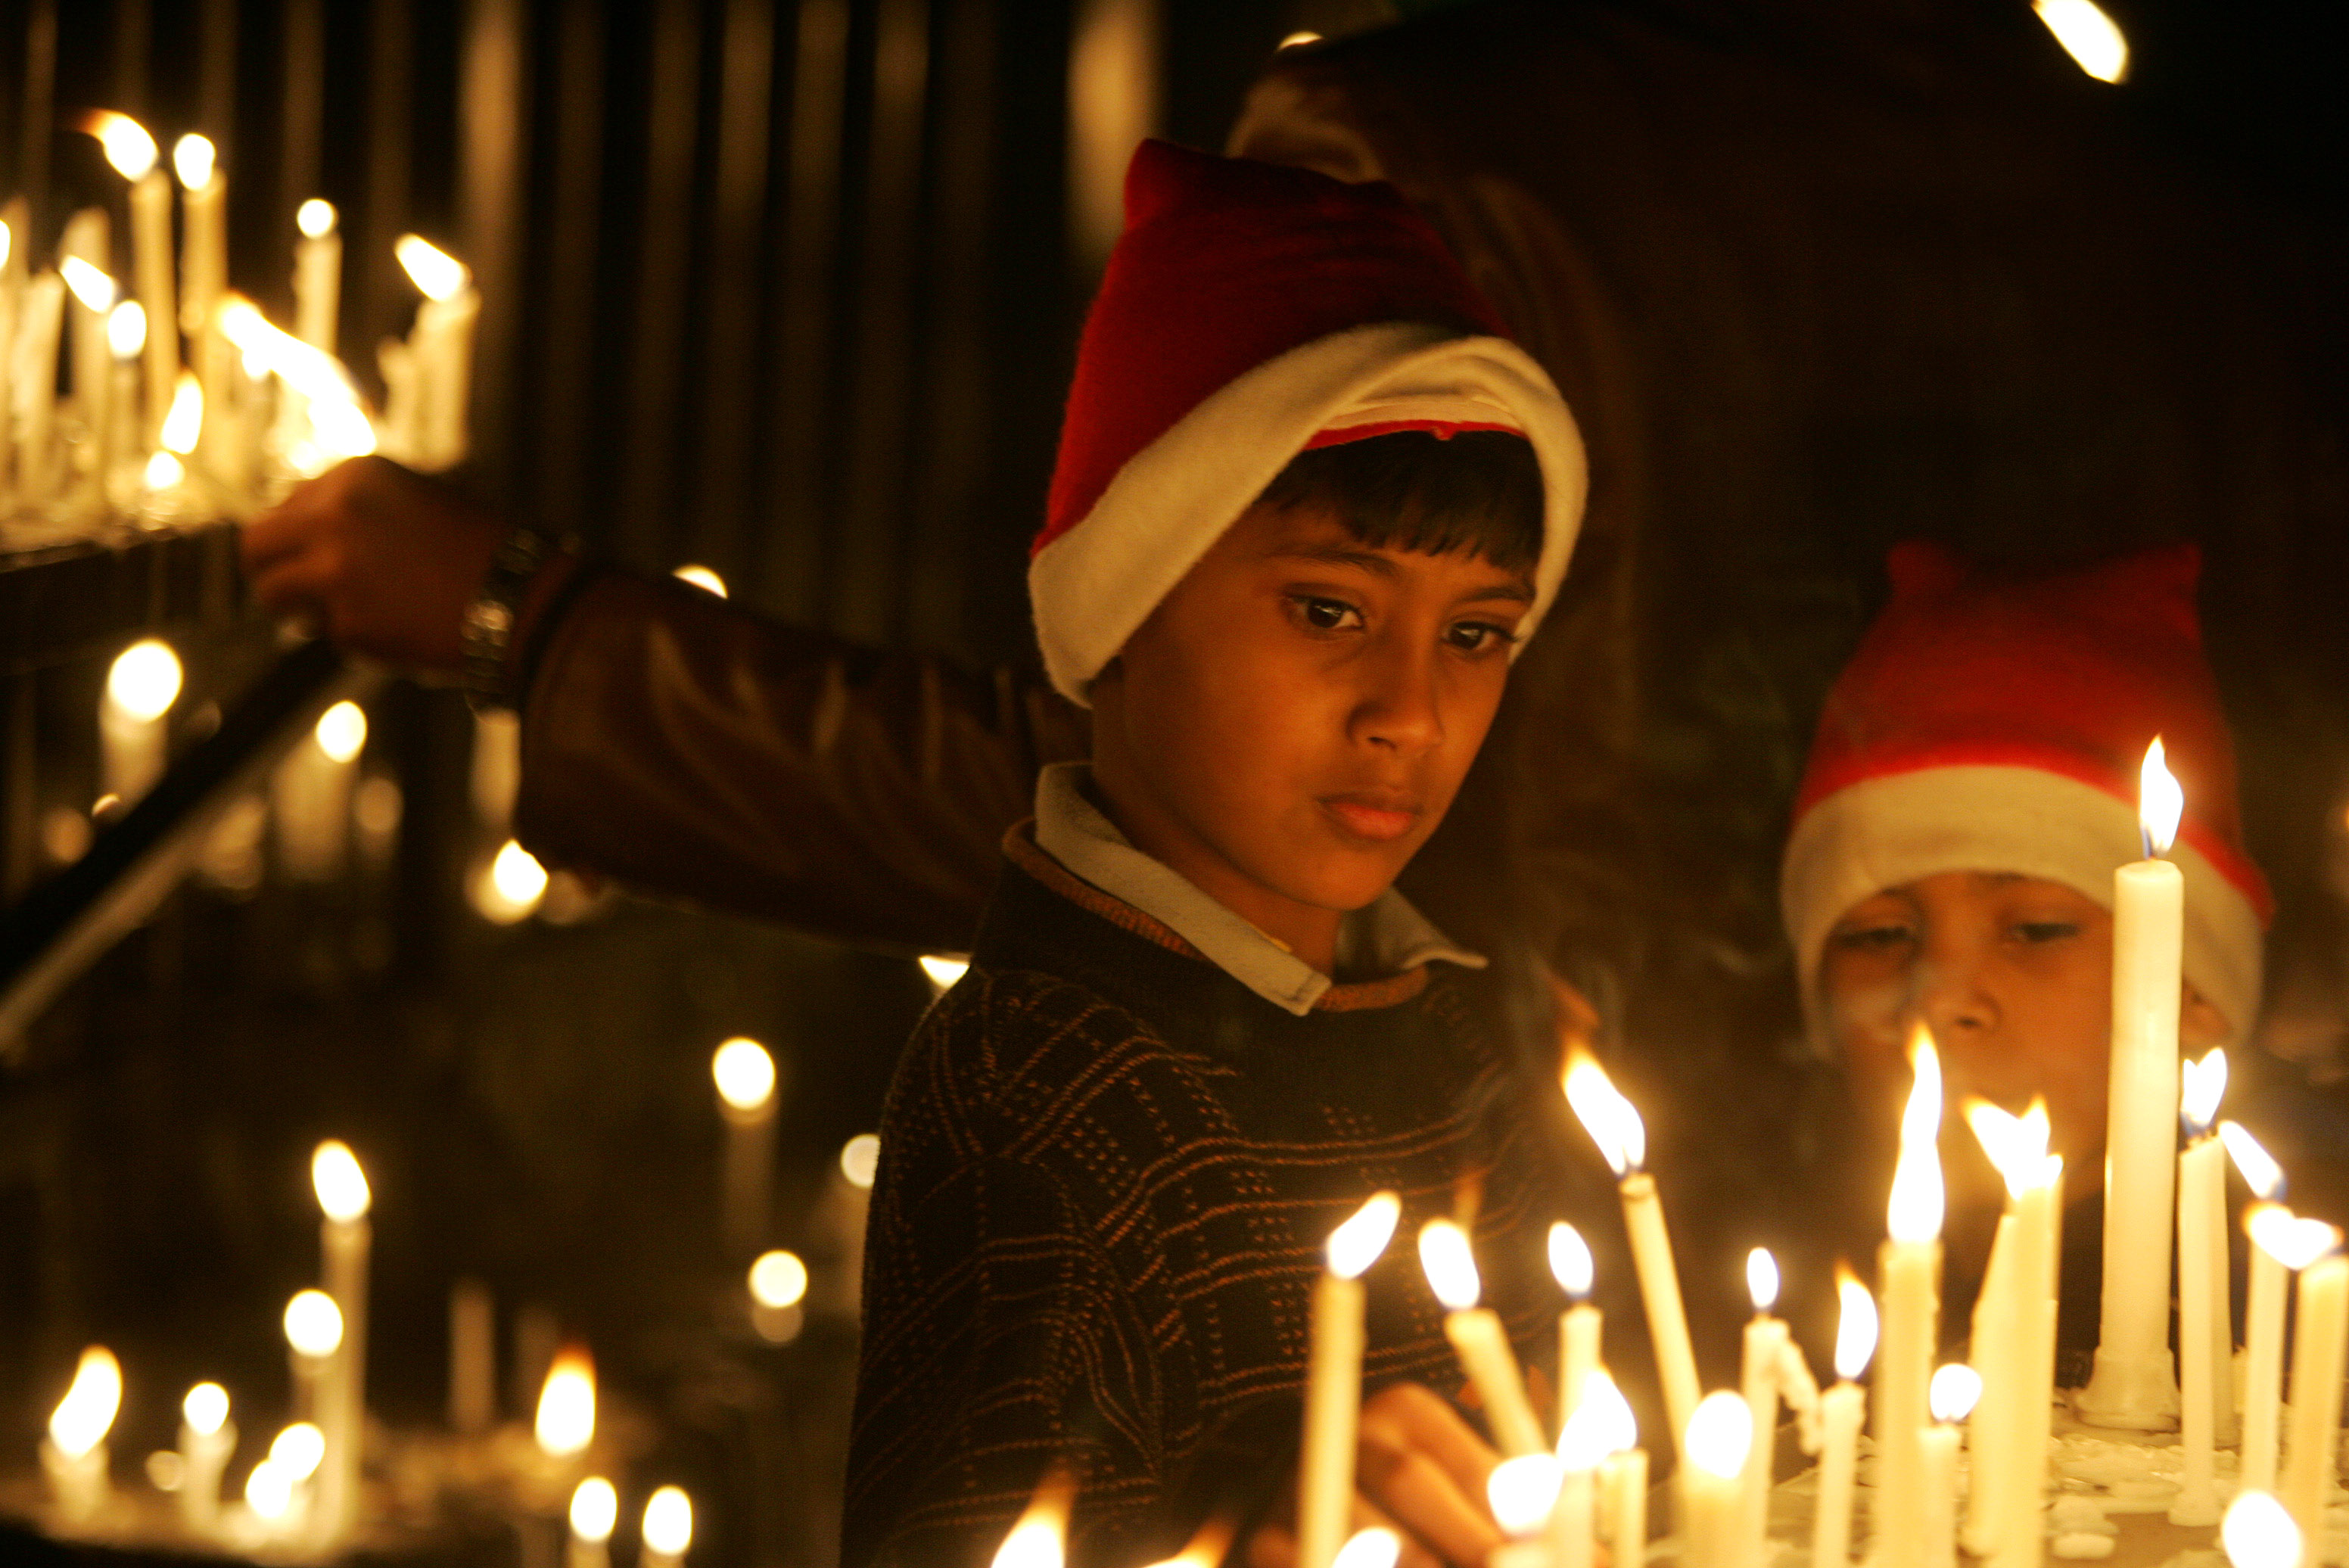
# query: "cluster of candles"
183, 397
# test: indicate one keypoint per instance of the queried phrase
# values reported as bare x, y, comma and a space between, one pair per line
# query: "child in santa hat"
1310, 502
1973, 789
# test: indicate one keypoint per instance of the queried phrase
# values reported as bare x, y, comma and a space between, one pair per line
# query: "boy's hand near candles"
1420, 1469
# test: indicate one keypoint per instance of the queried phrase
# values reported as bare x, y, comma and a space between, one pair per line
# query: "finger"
282, 529
1413, 1489
1426, 1423
297, 583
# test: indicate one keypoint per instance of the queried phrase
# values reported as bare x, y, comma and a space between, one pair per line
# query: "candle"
317, 274
203, 278
1952, 1396
343, 1239
778, 1283
207, 1438
140, 688
1615, 1126
2134, 1383
745, 1075
73, 1454
2279, 1241
1713, 1481
1579, 1325
314, 1328
1522, 1495
2013, 1345
473, 1356
595, 1510
1840, 1410
440, 347
668, 1528
1766, 1337
83, 260
121, 445
13, 231
133, 154
1622, 1480
312, 792
566, 1422
1377, 1547
1333, 1381
1477, 1339
1573, 1522
2320, 1352
2205, 1338
1038, 1539
295, 1455
1910, 1267
2260, 1532
32, 376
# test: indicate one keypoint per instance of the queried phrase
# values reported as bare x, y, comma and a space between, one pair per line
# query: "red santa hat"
1991, 722
1250, 310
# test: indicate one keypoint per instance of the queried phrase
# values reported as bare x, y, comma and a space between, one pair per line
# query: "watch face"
488, 618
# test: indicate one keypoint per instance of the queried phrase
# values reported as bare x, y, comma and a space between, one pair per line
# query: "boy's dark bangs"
1479, 491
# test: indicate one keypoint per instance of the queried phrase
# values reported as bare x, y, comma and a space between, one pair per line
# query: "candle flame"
205, 1408
512, 886
2259, 1531
1040, 1538
2088, 36
1616, 1428
708, 581
2160, 802
8, 242
440, 275
298, 1451
669, 1520
2204, 1085
1720, 1434
85, 1415
316, 218
943, 969
2261, 1173
185, 421
1521, 1492
1762, 1278
1914, 1213
566, 1404
269, 1490
860, 1160
312, 372
341, 733
1953, 1392
1208, 1547
779, 1279
335, 1174
1449, 1265
1855, 1328
128, 146
192, 158
1612, 1122
2294, 1241
1376, 1547
1356, 1245
125, 329
313, 1323
2017, 1145
92, 287
1589, 1434
1570, 1260
164, 470
595, 1510
144, 680
339, 428
745, 1074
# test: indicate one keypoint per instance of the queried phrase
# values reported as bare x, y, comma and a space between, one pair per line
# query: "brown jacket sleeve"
687, 748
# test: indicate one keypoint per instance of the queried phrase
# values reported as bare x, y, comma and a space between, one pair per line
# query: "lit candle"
1333, 1381
668, 1528
2205, 1337
2320, 1353
1477, 1339
565, 1421
2260, 1532
13, 230
1377, 1547
595, 1510
134, 155
1954, 1389
1040, 1537
141, 684
1713, 1481
1615, 1126
83, 260
73, 1454
344, 1237
2015, 1347
1766, 1337
204, 277
778, 1283
2135, 1384
317, 274
1623, 1474
745, 1075
32, 376
1522, 1495
1573, 1522
207, 1438
1840, 1410
440, 347
1579, 1325
311, 793
2284, 1243
1910, 1270
314, 1328
120, 446
296, 1455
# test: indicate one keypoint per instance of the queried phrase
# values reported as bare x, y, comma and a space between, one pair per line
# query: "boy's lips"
1376, 816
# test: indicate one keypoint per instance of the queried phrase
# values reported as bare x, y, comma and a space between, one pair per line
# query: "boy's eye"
1875, 936
1478, 636
2036, 932
1321, 614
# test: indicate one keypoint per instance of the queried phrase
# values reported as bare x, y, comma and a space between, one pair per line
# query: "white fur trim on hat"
1099, 581
1886, 831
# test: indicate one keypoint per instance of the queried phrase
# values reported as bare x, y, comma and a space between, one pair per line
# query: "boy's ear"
2200, 1026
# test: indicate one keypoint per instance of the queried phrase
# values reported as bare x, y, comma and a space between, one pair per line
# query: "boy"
1308, 505
1971, 790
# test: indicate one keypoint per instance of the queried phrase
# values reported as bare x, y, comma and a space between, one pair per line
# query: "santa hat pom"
1996, 721
1247, 309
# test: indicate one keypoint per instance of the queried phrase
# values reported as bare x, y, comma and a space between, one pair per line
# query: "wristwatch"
490, 618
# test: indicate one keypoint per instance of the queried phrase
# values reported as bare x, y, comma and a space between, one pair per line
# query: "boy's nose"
1949, 996
1400, 707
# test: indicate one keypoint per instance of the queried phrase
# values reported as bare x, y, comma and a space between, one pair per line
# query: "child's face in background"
1294, 718
2013, 974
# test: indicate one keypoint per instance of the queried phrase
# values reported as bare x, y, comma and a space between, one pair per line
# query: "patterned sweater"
1107, 1169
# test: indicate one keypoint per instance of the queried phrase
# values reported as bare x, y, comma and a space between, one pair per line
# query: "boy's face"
1292, 721
2013, 974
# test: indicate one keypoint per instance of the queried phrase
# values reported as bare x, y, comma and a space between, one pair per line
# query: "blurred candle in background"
32, 377
667, 1528
441, 352
74, 1452
134, 155
314, 1328
473, 1356
344, 1239
312, 795
83, 260
1765, 1338
317, 274
1579, 1325
133, 717
207, 1440
745, 1075
595, 1510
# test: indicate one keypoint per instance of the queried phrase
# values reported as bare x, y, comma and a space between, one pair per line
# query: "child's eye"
1321, 614
2035, 932
1478, 636
1879, 936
